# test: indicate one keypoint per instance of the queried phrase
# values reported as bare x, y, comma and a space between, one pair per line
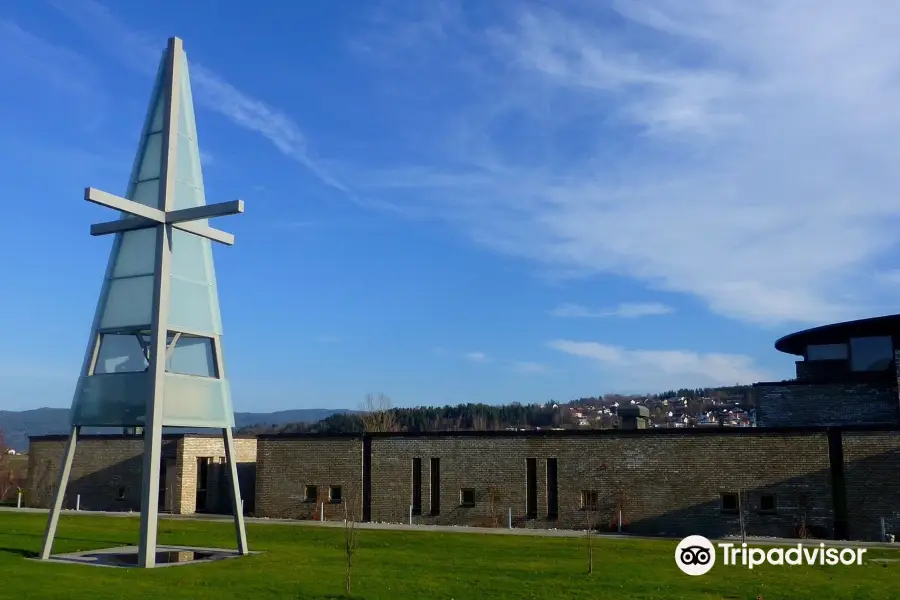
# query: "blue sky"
468, 201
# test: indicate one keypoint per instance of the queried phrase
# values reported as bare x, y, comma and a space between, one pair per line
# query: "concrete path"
568, 533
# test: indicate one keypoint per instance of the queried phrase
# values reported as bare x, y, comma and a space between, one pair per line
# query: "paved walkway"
760, 541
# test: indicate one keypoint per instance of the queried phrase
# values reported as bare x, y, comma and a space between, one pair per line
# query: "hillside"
17, 426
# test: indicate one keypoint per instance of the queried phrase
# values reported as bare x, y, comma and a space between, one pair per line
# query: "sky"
456, 201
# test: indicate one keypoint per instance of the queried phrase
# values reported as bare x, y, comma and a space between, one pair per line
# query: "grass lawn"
308, 562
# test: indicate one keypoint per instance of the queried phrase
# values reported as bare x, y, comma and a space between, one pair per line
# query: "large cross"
147, 216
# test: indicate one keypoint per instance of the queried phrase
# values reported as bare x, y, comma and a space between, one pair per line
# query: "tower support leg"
60, 493
237, 505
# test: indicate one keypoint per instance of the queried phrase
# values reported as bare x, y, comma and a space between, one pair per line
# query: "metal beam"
121, 204
120, 225
207, 232
59, 495
207, 211
160, 315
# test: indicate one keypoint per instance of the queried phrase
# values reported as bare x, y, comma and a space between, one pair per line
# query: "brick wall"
664, 484
871, 469
803, 404
106, 471
286, 466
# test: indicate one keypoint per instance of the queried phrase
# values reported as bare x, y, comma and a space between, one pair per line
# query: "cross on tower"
145, 298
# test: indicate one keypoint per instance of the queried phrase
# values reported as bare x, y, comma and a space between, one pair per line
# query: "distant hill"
17, 426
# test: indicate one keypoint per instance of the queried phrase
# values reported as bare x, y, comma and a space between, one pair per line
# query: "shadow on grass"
62, 538
20, 552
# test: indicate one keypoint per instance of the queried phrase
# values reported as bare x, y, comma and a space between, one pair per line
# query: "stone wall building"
847, 375
839, 482
106, 473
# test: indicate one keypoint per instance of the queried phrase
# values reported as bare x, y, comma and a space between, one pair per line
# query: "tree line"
376, 413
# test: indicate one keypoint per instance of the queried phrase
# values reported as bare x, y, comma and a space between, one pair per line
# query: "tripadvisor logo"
696, 555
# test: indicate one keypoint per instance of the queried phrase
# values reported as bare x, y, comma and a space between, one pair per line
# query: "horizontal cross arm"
126, 206
120, 225
123, 225
209, 233
206, 211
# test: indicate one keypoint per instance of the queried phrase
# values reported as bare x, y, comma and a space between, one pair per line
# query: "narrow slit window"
531, 488
417, 486
435, 486
552, 489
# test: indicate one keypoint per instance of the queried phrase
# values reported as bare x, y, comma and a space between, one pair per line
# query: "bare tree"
479, 422
7, 473
589, 501
377, 413
351, 541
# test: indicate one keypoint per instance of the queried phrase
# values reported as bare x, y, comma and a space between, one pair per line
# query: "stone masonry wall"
664, 484
871, 469
286, 466
192, 448
106, 472
798, 405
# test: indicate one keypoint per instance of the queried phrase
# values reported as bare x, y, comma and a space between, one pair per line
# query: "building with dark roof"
846, 375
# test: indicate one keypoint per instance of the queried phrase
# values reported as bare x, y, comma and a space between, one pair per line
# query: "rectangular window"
417, 486
827, 352
310, 493
334, 494
729, 502
552, 490
435, 486
120, 493
531, 488
767, 503
871, 353
589, 500
467, 497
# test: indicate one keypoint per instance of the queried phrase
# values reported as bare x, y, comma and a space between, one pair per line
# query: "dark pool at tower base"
165, 557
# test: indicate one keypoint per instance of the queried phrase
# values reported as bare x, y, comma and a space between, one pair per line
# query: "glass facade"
827, 352
871, 353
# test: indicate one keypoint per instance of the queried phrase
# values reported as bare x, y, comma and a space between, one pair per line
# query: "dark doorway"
162, 485
202, 483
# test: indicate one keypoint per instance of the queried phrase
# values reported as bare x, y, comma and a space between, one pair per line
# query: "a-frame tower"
154, 357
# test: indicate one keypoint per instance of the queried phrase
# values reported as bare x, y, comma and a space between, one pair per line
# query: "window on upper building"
826, 352
871, 353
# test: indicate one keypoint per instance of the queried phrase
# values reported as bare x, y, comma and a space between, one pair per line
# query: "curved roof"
796, 343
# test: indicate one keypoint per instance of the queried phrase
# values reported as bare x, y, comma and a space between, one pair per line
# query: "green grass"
308, 562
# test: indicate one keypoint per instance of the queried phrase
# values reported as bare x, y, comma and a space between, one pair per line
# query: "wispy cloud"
742, 156
528, 367
29, 56
628, 310
668, 367
140, 51
476, 357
